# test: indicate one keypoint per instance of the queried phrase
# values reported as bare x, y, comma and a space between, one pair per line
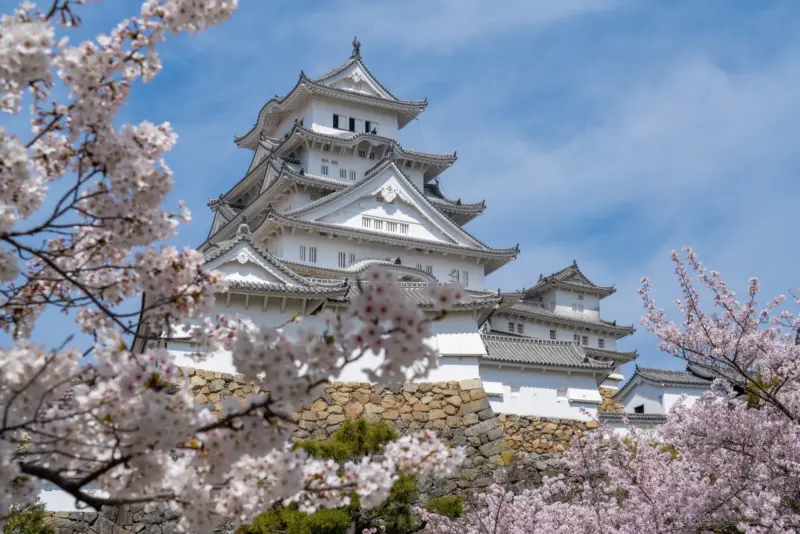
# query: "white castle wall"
542, 393
657, 399
542, 331
287, 247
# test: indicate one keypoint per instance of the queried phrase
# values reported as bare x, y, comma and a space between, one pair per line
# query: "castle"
330, 192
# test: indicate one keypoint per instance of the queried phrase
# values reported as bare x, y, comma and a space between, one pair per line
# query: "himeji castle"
330, 192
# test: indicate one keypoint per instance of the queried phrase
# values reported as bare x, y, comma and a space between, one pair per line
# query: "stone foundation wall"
500, 448
609, 405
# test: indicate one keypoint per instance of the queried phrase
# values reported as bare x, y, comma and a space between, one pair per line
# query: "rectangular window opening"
362, 153
324, 170
552, 334
352, 258
342, 259
638, 409
520, 328
511, 327
429, 269
302, 253
601, 343
353, 175
343, 173
585, 340
312, 254
352, 124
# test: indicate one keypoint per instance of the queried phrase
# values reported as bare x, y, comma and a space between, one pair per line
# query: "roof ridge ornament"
356, 49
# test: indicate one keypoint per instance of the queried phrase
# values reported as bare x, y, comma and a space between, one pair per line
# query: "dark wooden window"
335, 120
352, 124
638, 409
367, 126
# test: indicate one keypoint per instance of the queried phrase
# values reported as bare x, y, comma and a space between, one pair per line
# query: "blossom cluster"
727, 463
122, 426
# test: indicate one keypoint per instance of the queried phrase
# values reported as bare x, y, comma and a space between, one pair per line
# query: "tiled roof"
666, 376
272, 287
225, 246
361, 266
535, 311
408, 109
497, 256
617, 356
572, 277
417, 292
344, 66
502, 348
633, 418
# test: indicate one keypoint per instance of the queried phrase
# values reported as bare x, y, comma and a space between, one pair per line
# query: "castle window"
429, 269
391, 226
342, 259
352, 124
312, 254
324, 170
577, 308
576, 338
465, 278
403, 228
366, 222
343, 174
302, 253
520, 328
352, 175
580, 296
552, 334
455, 278
511, 327
362, 153
367, 126
585, 340
419, 266
335, 120
601, 343
352, 258
372, 155
638, 409
378, 224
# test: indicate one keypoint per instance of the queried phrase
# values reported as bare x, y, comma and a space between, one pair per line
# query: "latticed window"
312, 254
429, 269
404, 228
391, 226
352, 258
552, 334
510, 327
302, 253
585, 340
343, 174
324, 170
520, 328
362, 153
353, 175
342, 259
601, 343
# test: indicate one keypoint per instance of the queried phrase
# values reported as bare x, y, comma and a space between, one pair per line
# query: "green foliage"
353, 440
29, 521
451, 507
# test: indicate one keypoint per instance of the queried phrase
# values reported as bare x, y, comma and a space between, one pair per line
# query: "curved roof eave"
407, 109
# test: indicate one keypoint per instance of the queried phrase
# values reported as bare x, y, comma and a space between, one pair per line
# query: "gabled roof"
277, 108
665, 377
536, 312
375, 174
571, 278
460, 213
524, 350
617, 356
244, 239
346, 139
497, 256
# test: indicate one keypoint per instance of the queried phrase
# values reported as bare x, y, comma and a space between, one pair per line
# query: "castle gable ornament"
388, 193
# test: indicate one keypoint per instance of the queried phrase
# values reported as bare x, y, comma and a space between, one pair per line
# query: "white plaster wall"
304, 112
287, 247
564, 301
538, 330
539, 392
454, 368
656, 399
324, 108
311, 161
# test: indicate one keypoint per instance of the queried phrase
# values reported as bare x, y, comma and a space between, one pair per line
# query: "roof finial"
574, 263
356, 48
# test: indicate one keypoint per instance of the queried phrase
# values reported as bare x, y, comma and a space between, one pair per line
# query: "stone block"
410, 388
450, 409
483, 415
472, 383
340, 398
335, 419
495, 433
419, 407
375, 408
455, 400
470, 419
197, 380
474, 406
592, 424
493, 447
391, 414
319, 405
476, 394
437, 414
482, 428
218, 384
353, 410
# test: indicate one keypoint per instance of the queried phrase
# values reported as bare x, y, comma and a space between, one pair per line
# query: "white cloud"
440, 26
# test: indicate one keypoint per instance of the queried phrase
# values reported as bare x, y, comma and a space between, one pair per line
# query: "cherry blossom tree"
728, 463
81, 219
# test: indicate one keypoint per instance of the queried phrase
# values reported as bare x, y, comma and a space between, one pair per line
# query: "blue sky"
606, 131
